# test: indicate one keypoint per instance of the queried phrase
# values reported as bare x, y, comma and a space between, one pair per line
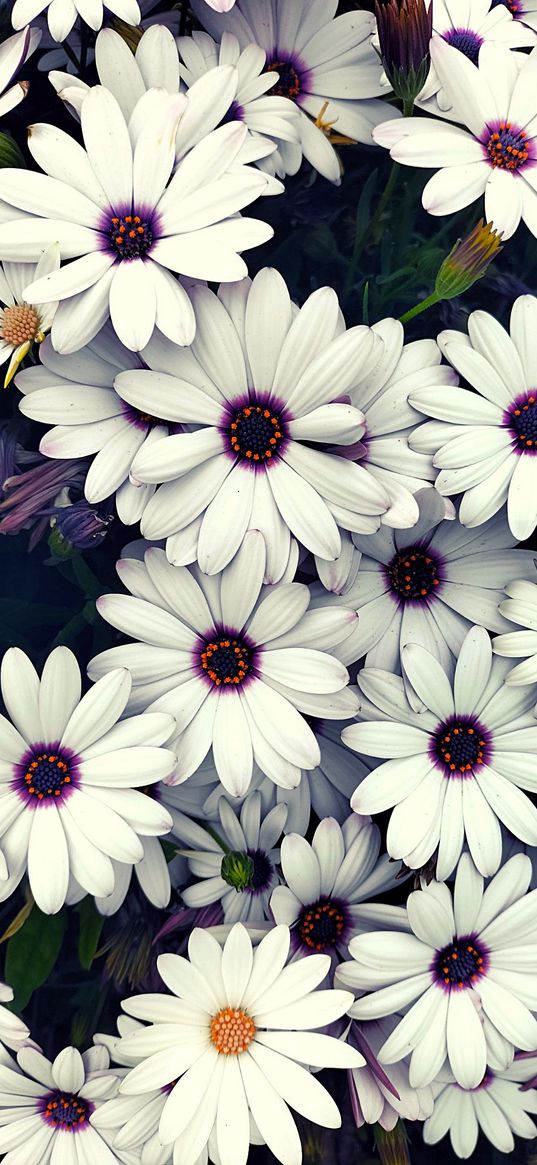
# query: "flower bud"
237, 869
467, 261
392, 1145
404, 31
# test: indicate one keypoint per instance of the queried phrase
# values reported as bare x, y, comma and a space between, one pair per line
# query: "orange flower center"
232, 1031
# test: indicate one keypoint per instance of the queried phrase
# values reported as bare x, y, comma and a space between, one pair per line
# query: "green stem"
419, 307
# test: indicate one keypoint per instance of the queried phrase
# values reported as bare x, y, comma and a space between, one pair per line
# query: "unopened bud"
468, 261
237, 870
392, 1145
131, 34
404, 30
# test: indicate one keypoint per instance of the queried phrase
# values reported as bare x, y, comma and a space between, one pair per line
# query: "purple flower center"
507, 147
262, 873
521, 419
130, 236
513, 6
466, 41
460, 964
460, 745
226, 659
66, 1111
256, 432
321, 924
290, 80
413, 574
46, 774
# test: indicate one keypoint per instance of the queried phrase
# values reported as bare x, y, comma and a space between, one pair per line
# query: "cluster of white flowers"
307, 615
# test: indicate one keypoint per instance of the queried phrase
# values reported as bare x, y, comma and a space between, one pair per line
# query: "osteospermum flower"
485, 442
62, 14
520, 608
237, 861
233, 662
223, 85
498, 1106
467, 26
327, 882
23, 324
457, 768
379, 1096
261, 401
14, 52
68, 799
114, 212
46, 1107
427, 585
326, 64
495, 155
77, 395
457, 971
242, 1029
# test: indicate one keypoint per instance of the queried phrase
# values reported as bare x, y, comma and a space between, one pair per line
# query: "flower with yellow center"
228, 1046
23, 324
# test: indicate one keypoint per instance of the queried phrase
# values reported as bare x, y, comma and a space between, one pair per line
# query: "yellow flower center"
232, 1031
20, 324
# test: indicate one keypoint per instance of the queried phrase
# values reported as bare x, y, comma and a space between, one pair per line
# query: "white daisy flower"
326, 790
498, 1107
261, 401
76, 394
14, 52
68, 799
520, 608
21, 323
461, 962
236, 859
485, 442
457, 768
46, 1107
426, 585
223, 85
62, 14
231, 660
495, 155
240, 1033
466, 25
272, 119
326, 64
13, 1032
328, 880
379, 1096
523, 10
113, 210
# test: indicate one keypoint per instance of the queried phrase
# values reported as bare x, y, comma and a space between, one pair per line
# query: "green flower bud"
237, 870
467, 261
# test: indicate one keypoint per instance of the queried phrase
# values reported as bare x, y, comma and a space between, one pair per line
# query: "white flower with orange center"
23, 324
230, 1042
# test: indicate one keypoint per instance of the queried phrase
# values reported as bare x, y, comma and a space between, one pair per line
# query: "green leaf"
32, 953
10, 154
91, 925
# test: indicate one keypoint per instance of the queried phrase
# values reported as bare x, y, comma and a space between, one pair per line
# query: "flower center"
226, 659
130, 236
460, 746
507, 147
249, 870
413, 574
66, 1111
290, 81
20, 324
460, 964
232, 1031
466, 41
45, 775
513, 6
321, 924
255, 432
142, 420
521, 418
